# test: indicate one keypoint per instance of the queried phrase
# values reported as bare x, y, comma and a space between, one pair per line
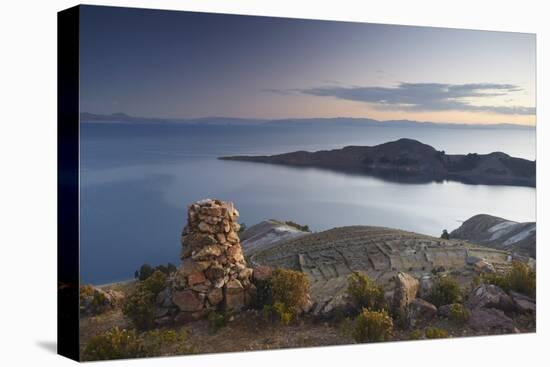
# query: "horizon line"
306, 118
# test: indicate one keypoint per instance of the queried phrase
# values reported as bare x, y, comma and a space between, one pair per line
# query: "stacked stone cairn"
213, 274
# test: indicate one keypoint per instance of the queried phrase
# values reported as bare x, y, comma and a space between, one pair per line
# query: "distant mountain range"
410, 161
87, 117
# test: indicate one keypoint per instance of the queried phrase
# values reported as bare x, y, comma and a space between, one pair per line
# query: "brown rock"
421, 311
188, 300
262, 273
235, 253
491, 319
215, 296
198, 240
232, 237
212, 211
207, 252
190, 266
406, 287
196, 278
234, 295
206, 228
246, 273
215, 272
490, 296
523, 303
221, 238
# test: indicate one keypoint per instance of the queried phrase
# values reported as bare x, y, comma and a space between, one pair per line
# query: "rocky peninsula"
410, 161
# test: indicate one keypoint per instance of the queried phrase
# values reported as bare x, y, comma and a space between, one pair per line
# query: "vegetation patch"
146, 270
520, 278
365, 293
446, 290
121, 343
459, 314
289, 295
372, 326
436, 333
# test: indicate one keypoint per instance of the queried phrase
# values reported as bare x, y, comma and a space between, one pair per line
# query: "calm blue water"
136, 181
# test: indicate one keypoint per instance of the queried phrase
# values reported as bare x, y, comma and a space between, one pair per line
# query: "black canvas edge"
68, 24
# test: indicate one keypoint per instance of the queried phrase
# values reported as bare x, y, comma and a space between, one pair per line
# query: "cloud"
425, 96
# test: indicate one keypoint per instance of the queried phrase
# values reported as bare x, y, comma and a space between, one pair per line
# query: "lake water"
137, 180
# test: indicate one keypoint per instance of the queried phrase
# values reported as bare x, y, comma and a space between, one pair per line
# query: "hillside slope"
499, 233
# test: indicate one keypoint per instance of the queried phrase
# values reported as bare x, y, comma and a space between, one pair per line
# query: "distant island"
407, 160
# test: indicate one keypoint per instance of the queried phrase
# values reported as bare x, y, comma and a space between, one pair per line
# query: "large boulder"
406, 287
234, 295
523, 303
490, 296
421, 311
188, 300
491, 320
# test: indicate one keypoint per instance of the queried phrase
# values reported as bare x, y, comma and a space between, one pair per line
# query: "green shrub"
436, 333
290, 288
304, 228
415, 334
459, 314
114, 344
156, 282
445, 291
146, 270
217, 320
520, 278
364, 293
372, 326
118, 344
139, 307
166, 342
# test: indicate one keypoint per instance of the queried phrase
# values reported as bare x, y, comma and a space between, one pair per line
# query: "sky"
171, 64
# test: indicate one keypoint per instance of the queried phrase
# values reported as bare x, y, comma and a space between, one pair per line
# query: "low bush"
217, 320
290, 288
459, 314
155, 283
446, 290
146, 270
139, 307
415, 334
284, 296
364, 293
372, 326
436, 333
114, 344
304, 228
520, 278
118, 344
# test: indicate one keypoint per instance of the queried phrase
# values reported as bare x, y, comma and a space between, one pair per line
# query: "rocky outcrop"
213, 274
95, 300
268, 233
490, 296
407, 160
406, 287
499, 233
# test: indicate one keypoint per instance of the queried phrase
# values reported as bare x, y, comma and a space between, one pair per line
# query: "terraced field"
329, 257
